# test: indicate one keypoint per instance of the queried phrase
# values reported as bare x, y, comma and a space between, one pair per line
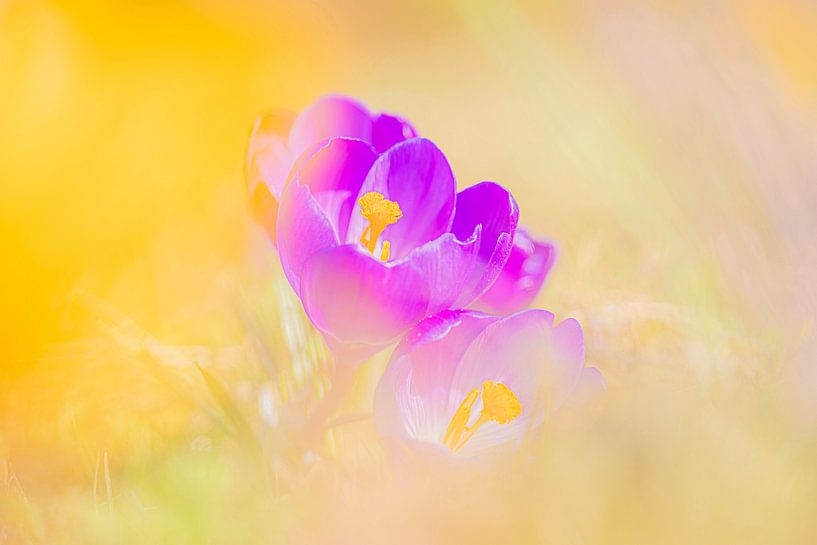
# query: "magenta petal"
446, 263
528, 266
492, 206
328, 117
416, 174
412, 396
389, 130
334, 173
303, 229
356, 299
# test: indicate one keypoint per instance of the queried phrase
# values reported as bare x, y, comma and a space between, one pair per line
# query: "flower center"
499, 404
381, 213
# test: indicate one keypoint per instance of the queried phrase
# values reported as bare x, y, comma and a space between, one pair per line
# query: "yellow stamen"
499, 404
381, 213
459, 421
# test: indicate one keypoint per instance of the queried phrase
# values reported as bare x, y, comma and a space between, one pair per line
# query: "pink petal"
416, 174
567, 360
590, 387
356, 299
389, 130
492, 206
334, 173
528, 265
303, 229
509, 351
411, 399
267, 166
264, 209
268, 157
328, 117
538, 362
446, 263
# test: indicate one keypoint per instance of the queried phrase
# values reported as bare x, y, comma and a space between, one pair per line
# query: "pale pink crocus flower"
463, 383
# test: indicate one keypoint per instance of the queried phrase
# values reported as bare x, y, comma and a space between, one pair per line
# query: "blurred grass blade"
233, 418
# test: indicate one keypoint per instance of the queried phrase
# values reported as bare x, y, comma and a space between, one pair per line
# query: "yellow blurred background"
669, 147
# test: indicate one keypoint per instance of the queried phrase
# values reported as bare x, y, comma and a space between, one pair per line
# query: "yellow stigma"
499, 404
381, 213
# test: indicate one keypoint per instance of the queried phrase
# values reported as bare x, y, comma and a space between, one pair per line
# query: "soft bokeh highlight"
668, 147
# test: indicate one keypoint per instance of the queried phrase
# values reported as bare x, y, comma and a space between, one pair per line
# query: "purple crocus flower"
373, 243
463, 383
279, 138
522, 277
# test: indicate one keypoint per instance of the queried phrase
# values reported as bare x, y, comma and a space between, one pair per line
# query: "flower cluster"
381, 248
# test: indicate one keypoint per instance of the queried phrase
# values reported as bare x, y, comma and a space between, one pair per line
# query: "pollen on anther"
374, 206
499, 403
